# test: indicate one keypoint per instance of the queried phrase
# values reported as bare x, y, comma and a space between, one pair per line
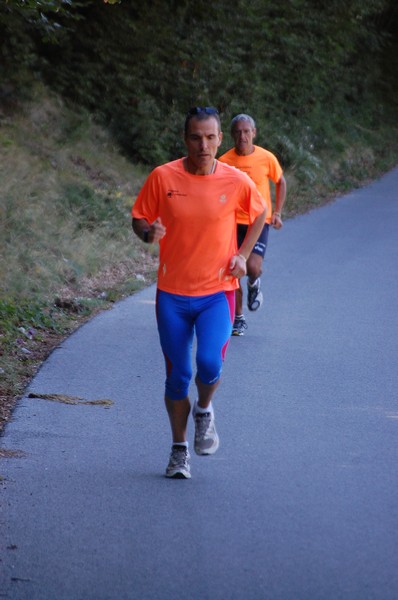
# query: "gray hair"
242, 117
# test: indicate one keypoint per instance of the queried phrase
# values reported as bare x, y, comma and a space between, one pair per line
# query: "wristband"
278, 214
241, 255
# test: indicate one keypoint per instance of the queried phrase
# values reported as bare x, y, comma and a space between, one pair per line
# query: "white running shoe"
206, 438
178, 466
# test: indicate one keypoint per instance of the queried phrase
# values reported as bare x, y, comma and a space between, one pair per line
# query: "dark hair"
201, 113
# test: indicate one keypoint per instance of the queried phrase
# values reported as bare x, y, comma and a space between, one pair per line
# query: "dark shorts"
261, 245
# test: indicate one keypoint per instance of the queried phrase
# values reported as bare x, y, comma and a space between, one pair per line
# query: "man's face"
202, 140
243, 135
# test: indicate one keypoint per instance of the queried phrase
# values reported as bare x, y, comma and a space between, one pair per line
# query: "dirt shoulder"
76, 306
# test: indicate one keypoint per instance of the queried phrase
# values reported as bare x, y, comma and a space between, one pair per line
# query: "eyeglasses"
207, 110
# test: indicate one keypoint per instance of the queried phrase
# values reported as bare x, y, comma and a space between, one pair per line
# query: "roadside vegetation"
68, 250
88, 107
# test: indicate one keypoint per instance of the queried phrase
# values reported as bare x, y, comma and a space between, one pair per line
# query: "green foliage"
91, 209
293, 65
23, 25
67, 248
25, 315
65, 200
42, 15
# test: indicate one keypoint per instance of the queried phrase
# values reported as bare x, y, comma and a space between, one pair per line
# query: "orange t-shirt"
200, 216
261, 166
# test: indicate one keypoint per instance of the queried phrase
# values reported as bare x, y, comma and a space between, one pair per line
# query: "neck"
191, 168
245, 152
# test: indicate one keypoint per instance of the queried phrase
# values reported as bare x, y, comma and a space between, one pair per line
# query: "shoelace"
179, 456
203, 423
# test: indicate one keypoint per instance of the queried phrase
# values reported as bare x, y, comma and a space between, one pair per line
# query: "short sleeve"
146, 205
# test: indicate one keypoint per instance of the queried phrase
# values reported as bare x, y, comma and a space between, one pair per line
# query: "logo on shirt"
174, 193
222, 276
223, 198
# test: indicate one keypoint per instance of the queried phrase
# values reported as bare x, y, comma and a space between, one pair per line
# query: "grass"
68, 250
67, 191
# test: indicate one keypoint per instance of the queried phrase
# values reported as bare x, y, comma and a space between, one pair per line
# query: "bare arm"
280, 197
149, 233
237, 266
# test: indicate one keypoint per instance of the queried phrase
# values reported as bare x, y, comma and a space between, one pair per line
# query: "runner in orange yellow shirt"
190, 207
261, 166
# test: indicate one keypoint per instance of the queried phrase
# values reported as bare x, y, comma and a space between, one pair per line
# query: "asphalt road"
299, 503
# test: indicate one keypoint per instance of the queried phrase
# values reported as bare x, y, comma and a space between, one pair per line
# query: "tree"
302, 68
41, 15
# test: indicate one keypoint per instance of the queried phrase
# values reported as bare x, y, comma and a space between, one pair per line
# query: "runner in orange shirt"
261, 166
190, 207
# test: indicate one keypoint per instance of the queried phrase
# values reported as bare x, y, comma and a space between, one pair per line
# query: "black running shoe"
254, 296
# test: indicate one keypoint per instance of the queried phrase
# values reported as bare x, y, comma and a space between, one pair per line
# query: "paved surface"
300, 502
